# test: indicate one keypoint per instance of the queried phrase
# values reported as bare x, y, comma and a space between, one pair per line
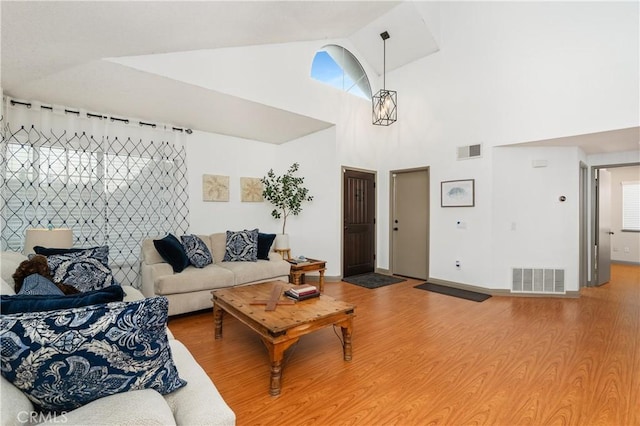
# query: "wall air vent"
538, 280
469, 151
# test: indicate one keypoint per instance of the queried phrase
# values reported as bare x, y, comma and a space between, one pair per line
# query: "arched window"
336, 66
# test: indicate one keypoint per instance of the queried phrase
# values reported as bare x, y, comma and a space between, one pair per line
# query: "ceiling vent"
469, 151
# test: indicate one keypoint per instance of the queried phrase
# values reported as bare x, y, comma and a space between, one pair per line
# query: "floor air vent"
538, 280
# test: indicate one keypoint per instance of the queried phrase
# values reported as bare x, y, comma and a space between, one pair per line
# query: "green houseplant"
287, 194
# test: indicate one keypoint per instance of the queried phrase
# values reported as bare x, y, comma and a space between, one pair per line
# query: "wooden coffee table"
281, 328
299, 269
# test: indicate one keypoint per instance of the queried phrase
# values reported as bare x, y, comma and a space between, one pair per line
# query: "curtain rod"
100, 116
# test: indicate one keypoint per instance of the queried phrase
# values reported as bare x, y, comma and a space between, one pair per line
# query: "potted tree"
287, 194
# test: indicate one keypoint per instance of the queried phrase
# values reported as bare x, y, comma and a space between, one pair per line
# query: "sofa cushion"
172, 251
16, 407
194, 279
265, 241
246, 272
218, 245
242, 246
48, 251
199, 403
6, 289
22, 303
9, 262
142, 407
36, 284
86, 270
66, 358
149, 254
197, 251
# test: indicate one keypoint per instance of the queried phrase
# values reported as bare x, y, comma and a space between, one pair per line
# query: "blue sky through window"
325, 69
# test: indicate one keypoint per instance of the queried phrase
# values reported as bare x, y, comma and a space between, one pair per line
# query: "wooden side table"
285, 253
312, 265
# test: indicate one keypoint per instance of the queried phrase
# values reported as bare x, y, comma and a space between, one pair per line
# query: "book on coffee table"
304, 289
300, 297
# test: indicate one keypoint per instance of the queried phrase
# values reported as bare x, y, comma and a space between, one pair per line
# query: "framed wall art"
457, 193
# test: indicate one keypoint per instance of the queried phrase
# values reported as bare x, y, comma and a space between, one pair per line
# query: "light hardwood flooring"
421, 358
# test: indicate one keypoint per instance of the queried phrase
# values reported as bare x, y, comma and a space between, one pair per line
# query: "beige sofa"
197, 403
190, 290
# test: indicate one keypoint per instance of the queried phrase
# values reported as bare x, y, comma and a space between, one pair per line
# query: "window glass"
337, 67
631, 206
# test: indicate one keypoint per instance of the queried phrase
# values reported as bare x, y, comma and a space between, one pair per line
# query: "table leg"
217, 320
276, 355
346, 338
321, 280
296, 278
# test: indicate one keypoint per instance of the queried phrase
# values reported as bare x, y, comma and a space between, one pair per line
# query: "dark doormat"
372, 280
455, 292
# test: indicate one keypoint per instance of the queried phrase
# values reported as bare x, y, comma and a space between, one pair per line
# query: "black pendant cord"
384, 64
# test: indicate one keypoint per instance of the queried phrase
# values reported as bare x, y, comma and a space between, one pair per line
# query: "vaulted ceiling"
55, 52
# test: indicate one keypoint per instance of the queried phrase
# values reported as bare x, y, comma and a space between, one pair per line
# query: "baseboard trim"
499, 291
625, 262
383, 271
327, 278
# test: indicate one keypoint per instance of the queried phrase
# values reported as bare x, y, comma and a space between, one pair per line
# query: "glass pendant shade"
385, 107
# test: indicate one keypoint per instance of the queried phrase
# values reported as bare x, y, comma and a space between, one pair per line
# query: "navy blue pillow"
48, 251
172, 251
264, 245
20, 303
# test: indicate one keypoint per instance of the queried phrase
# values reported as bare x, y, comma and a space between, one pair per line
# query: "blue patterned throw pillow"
67, 358
36, 284
242, 246
86, 270
197, 251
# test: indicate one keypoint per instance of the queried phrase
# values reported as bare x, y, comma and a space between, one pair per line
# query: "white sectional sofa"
190, 290
197, 403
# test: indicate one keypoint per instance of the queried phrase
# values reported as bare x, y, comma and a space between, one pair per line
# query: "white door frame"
594, 225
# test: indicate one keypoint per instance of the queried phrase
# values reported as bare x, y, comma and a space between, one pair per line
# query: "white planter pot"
281, 242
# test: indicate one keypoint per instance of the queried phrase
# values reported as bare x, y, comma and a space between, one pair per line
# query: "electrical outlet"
457, 264
626, 249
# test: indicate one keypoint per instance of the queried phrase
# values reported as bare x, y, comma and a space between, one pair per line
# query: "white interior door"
603, 243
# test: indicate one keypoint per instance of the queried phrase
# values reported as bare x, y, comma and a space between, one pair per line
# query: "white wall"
625, 246
314, 233
227, 156
531, 226
506, 73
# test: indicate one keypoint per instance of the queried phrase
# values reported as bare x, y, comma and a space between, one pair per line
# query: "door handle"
611, 233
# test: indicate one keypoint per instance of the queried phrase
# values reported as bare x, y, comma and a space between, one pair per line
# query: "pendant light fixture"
385, 102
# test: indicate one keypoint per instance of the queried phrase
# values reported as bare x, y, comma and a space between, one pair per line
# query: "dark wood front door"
359, 223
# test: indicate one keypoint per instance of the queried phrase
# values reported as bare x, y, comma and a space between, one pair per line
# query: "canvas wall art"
251, 190
215, 188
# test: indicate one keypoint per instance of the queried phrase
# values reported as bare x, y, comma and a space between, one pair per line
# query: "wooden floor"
421, 358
